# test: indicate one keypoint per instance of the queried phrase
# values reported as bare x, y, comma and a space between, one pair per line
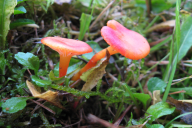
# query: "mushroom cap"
129, 43
67, 47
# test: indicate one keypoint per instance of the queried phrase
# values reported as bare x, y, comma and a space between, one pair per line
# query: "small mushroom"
129, 43
66, 48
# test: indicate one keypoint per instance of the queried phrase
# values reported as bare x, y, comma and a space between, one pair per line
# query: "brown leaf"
93, 75
156, 96
184, 107
162, 26
49, 95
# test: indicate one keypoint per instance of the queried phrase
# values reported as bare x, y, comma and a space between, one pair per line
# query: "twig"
182, 91
122, 116
74, 83
98, 39
48, 109
94, 119
29, 72
77, 33
148, 4
78, 57
100, 15
72, 124
118, 69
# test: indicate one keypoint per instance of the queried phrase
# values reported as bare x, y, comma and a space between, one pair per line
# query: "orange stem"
63, 65
98, 56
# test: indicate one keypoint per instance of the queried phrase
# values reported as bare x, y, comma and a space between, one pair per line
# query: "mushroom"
129, 43
66, 48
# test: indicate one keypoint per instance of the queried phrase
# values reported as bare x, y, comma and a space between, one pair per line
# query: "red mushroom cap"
129, 43
67, 47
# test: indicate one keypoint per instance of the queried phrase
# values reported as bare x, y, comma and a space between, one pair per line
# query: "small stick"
73, 84
100, 15
182, 91
48, 109
29, 72
94, 119
122, 116
148, 4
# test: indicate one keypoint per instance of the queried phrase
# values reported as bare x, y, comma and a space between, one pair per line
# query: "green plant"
6, 8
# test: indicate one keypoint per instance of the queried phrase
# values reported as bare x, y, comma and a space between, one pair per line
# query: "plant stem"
130, 93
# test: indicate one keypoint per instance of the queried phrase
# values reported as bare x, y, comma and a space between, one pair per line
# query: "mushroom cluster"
128, 43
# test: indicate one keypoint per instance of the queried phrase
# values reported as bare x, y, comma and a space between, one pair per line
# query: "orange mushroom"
66, 48
129, 43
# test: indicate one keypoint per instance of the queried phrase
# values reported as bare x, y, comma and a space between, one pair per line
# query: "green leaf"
14, 104
49, 2
74, 64
43, 3
21, 22
158, 110
158, 5
185, 41
39, 82
20, 1
56, 79
154, 126
19, 10
185, 44
96, 48
56, 70
84, 24
96, 3
155, 83
6, 9
29, 60
144, 98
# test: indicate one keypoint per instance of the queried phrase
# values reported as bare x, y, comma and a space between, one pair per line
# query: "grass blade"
174, 62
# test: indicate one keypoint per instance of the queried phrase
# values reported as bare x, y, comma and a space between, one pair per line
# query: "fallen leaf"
156, 96
35, 90
49, 95
184, 107
93, 75
162, 26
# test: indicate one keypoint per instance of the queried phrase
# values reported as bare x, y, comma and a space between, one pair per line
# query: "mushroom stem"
63, 65
98, 56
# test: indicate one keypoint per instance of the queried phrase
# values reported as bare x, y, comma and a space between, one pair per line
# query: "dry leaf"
162, 26
96, 73
49, 95
184, 107
156, 96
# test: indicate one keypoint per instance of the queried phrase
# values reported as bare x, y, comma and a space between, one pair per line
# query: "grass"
131, 92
